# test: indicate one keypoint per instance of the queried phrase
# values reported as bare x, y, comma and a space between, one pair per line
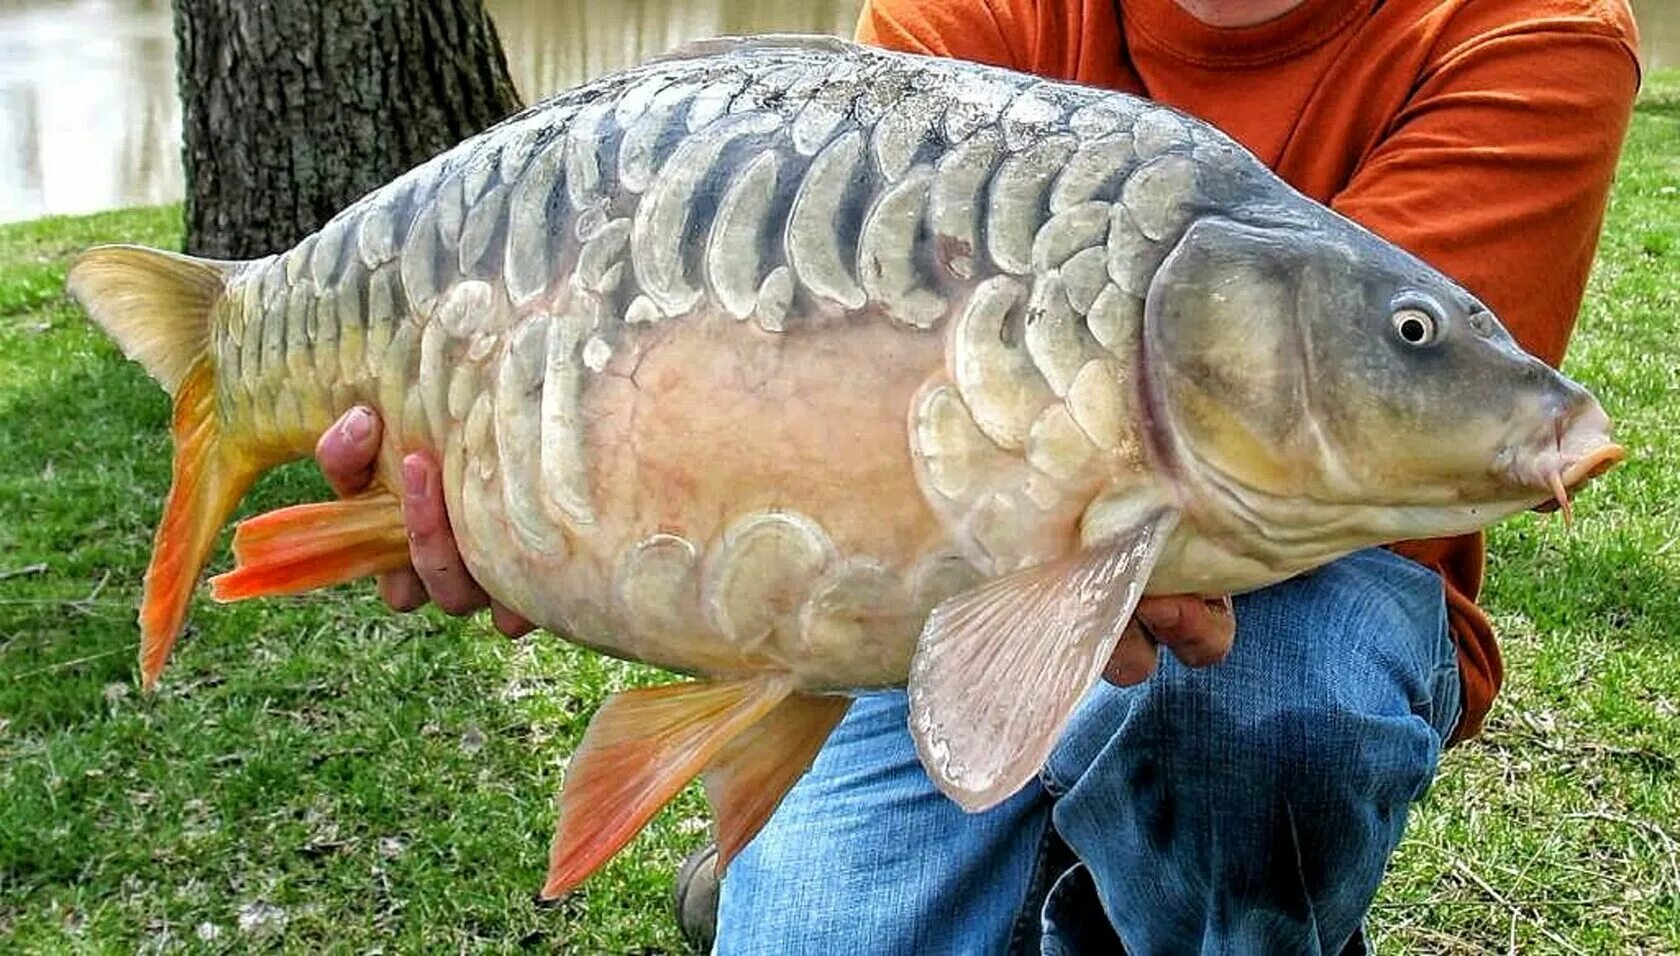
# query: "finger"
1133, 659
1198, 631
348, 451
402, 590
431, 545
508, 621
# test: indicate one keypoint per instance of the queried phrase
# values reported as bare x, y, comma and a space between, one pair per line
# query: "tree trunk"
292, 109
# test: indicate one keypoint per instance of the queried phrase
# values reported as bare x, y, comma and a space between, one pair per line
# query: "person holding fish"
877, 391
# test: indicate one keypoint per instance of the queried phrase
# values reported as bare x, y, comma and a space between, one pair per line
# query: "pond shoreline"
89, 118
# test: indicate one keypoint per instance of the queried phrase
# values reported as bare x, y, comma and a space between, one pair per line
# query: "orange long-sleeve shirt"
1481, 135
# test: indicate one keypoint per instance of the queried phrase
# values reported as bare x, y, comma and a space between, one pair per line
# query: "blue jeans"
1249, 807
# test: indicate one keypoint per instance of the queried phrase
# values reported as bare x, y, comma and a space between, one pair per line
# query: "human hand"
1197, 630
347, 454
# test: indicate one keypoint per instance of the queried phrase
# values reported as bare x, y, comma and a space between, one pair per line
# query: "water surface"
89, 117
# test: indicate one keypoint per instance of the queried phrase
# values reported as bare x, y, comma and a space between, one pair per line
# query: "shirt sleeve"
977, 30
1498, 169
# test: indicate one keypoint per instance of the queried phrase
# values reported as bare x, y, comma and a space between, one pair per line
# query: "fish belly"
748, 503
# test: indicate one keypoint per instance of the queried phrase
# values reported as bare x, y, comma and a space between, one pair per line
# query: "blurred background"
90, 120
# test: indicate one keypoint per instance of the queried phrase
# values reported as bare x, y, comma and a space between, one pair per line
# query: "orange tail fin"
749, 776
641, 748
208, 482
158, 306
314, 546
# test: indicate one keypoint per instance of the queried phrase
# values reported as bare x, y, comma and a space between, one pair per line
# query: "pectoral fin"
999, 669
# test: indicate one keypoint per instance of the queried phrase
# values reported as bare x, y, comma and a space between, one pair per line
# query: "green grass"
378, 779
321, 773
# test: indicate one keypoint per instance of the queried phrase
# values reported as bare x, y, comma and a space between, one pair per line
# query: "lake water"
89, 117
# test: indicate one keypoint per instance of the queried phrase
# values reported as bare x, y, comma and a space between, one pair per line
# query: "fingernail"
358, 424
414, 477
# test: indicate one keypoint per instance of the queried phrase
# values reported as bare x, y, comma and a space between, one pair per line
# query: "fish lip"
1565, 456
1589, 466
1573, 445
1566, 479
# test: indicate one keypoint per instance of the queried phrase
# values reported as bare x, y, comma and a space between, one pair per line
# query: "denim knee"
864, 852
1347, 672
1363, 681
1253, 804
1322, 752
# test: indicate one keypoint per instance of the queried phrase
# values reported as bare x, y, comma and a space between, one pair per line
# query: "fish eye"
1415, 327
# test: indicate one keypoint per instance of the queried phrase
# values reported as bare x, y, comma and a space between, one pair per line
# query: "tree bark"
293, 109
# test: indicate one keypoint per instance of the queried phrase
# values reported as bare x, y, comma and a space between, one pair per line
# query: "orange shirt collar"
1170, 30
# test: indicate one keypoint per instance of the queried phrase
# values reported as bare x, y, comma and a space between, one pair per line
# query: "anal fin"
641, 748
317, 545
749, 776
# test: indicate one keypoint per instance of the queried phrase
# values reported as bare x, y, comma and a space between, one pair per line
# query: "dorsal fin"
716, 46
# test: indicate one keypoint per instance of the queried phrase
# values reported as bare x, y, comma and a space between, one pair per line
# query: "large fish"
807, 368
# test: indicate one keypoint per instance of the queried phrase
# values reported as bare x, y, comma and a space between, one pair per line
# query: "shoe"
697, 898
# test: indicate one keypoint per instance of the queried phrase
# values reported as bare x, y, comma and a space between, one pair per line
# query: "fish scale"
808, 369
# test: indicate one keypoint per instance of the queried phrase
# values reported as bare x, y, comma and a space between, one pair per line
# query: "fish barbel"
806, 368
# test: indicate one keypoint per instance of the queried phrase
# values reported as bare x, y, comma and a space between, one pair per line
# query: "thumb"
349, 450
1133, 659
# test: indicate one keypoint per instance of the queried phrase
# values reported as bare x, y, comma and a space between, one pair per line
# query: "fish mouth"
1572, 454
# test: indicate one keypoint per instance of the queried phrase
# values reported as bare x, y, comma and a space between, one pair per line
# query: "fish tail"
159, 306
752, 739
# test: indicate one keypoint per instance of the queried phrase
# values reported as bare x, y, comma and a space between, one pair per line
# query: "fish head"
1312, 375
